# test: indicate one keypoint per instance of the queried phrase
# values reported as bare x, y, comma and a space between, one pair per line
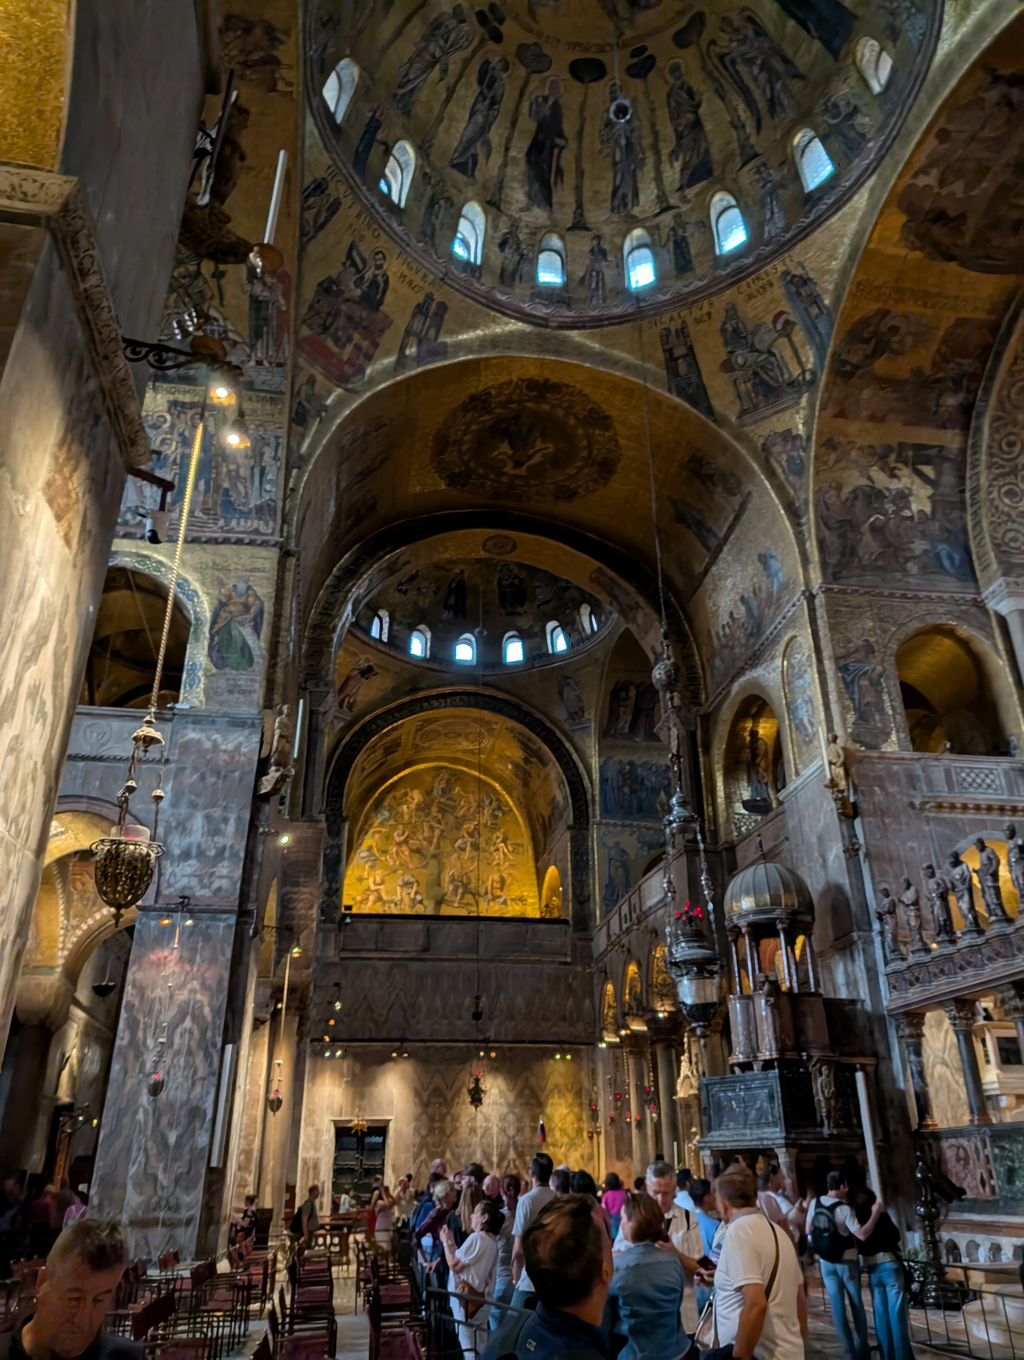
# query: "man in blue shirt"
700, 1191
568, 1256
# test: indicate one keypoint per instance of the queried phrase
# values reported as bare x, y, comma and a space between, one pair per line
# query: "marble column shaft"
910, 1028
667, 1066
961, 1015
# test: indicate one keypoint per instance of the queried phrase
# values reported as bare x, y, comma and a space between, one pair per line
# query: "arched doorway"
947, 697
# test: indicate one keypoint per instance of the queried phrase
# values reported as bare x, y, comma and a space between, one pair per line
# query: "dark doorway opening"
358, 1157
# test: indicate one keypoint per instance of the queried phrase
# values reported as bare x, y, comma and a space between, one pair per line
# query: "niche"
754, 767
125, 642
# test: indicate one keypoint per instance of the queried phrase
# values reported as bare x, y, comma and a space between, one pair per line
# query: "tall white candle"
275, 199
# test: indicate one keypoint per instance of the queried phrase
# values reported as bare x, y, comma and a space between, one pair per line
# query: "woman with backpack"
880, 1253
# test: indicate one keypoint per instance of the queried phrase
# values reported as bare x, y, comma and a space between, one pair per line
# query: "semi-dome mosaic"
575, 163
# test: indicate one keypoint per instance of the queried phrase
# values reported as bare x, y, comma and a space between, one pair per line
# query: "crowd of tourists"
555, 1265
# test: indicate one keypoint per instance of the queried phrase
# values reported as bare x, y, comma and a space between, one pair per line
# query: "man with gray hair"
681, 1227
74, 1293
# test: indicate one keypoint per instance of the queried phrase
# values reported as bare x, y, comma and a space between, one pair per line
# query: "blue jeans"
842, 1281
503, 1290
889, 1301
703, 1293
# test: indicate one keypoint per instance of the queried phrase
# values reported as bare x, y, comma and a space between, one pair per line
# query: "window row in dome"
513, 650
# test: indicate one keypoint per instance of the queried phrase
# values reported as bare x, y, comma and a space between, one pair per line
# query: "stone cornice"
964, 595
39, 198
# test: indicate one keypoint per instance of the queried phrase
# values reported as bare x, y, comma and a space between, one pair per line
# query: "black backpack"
295, 1226
826, 1239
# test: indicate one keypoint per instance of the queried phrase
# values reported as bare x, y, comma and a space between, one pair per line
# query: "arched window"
588, 620
874, 64
468, 244
398, 173
727, 224
340, 86
419, 641
512, 649
379, 626
639, 260
551, 262
465, 649
557, 641
812, 160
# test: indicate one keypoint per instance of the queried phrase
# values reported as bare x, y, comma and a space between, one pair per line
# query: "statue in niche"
281, 761
987, 874
544, 154
960, 879
592, 277
486, 106
444, 38
888, 921
836, 758
910, 900
937, 889
758, 772
691, 150
1015, 861
623, 142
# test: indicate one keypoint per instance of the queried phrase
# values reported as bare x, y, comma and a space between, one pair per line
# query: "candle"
275, 199
824, 750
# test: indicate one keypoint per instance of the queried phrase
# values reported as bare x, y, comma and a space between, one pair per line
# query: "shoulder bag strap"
775, 1265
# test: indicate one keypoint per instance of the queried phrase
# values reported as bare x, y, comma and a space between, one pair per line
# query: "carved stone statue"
1015, 861
281, 763
888, 920
987, 874
836, 765
936, 887
910, 900
961, 882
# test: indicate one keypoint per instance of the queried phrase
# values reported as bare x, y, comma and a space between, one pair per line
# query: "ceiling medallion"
528, 440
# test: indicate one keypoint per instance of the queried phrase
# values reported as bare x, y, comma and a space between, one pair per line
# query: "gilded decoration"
444, 841
530, 439
35, 62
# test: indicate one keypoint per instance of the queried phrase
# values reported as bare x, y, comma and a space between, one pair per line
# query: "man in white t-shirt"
527, 1209
840, 1264
759, 1303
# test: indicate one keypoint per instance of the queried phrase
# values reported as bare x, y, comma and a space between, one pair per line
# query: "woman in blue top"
647, 1285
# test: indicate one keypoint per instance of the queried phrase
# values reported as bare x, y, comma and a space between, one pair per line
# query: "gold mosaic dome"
577, 162
764, 891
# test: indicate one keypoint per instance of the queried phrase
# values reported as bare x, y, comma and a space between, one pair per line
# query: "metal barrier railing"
446, 1335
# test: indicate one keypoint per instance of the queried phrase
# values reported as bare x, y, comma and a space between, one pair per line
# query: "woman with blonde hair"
460, 1220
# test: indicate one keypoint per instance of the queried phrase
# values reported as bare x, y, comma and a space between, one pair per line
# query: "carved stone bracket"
38, 198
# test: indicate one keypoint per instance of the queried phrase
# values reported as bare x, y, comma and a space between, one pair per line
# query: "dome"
764, 891
575, 163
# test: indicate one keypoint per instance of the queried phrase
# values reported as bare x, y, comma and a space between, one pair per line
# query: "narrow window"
512, 649
638, 258
727, 224
379, 626
398, 173
419, 642
465, 649
551, 262
340, 86
874, 64
812, 160
588, 620
468, 244
557, 641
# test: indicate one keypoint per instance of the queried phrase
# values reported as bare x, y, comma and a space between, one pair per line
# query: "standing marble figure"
960, 878
987, 874
936, 887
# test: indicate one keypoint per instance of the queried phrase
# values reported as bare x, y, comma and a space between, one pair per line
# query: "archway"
126, 640
946, 695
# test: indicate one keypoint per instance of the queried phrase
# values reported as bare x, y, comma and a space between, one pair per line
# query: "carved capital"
962, 1015
57, 202
910, 1026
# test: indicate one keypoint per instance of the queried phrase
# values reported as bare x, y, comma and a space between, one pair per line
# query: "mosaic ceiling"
586, 128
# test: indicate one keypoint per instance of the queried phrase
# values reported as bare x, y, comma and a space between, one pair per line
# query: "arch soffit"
367, 430
194, 603
952, 62
342, 763
952, 68
629, 589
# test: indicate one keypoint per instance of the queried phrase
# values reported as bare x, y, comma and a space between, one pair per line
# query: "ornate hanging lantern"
126, 859
477, 1091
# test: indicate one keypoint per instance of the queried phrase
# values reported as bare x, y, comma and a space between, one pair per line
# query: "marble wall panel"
135, 82
944, 1073
153, 1150
423, 1099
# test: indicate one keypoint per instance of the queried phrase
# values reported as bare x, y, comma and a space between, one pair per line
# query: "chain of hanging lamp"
126, 859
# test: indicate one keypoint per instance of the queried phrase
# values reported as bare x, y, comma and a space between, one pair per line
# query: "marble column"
667, 1065
961, 1015
910, 1028
1005, 598
636, 1109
